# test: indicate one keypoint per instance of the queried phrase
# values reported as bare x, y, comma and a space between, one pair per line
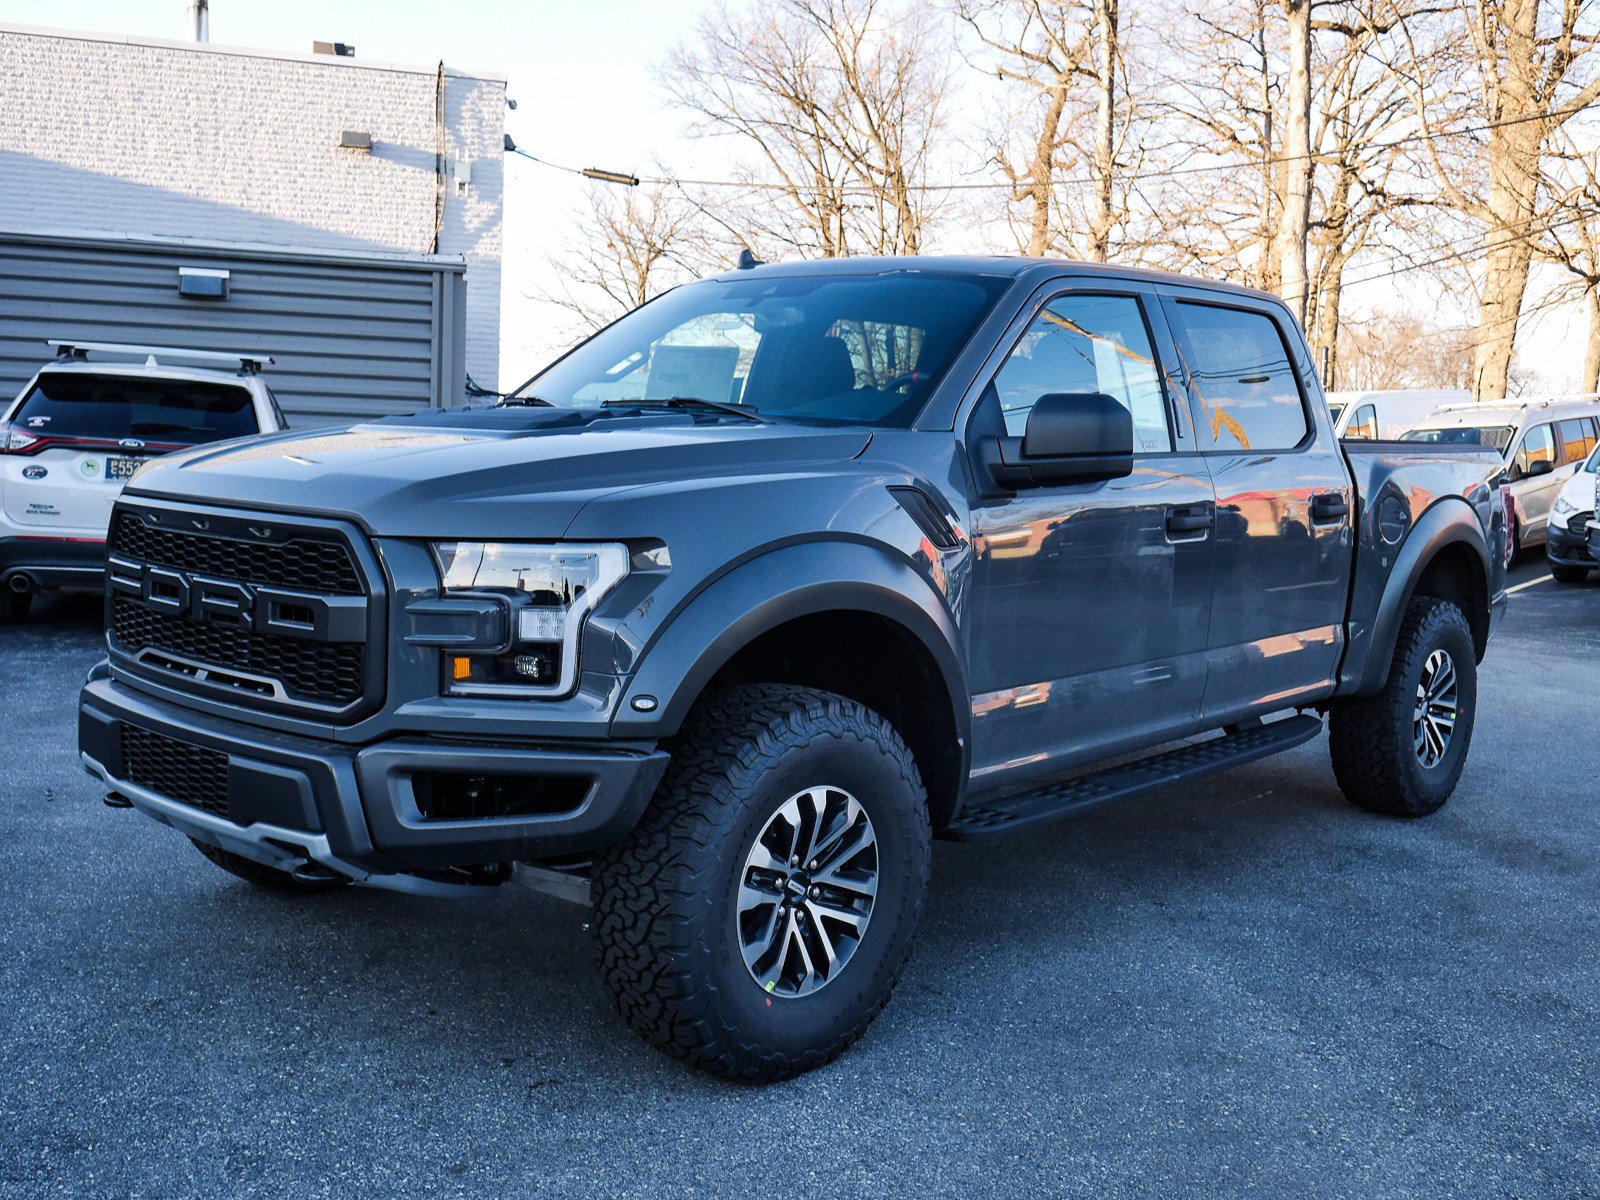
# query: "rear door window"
1243, 381
1577, 439
113, 407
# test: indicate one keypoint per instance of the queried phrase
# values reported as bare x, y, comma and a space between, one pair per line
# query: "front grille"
267, 613
177, 770
321, 672
301, 564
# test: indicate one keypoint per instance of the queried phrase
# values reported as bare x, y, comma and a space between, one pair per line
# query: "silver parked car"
1544, 441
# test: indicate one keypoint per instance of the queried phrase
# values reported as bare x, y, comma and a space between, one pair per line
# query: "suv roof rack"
249, 364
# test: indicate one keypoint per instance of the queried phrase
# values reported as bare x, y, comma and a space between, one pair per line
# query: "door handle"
1328, 508
1189, 518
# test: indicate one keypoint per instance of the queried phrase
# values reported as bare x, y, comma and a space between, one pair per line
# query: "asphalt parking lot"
1243, 987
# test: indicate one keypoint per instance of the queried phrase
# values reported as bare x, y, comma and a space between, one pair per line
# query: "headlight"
550, 589
1564, 507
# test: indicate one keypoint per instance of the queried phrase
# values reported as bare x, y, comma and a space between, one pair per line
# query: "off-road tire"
1371, 739
1568, 574
14, 606
664, 897
262, 875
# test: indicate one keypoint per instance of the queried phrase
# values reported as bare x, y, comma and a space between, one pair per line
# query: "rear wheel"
262, 875
1568, 574
14, 606
758, 918
1401, 751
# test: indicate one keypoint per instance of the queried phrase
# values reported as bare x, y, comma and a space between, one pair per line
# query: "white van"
1544, 443
1384, 416
80, 429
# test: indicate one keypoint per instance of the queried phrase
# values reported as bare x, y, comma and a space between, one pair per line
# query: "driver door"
1091, 600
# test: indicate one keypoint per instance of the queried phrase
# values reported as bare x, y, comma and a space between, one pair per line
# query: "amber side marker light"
461, 668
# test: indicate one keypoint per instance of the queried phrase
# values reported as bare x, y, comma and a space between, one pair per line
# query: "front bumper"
355, 809
53, 562
1568, 549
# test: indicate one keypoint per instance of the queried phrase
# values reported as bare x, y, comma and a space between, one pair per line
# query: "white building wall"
111, 135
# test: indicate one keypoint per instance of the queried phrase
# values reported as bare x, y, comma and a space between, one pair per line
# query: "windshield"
1498, 436
81, 405
834, 350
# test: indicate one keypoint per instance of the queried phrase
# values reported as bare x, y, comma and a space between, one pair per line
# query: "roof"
1513, 411
145, 370
1003, 265
334, 61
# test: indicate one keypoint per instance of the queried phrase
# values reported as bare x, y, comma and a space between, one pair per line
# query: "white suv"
80, 429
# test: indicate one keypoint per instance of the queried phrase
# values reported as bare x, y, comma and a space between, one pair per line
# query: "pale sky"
581, 74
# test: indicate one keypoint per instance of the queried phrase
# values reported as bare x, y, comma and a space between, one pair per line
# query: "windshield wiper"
692, 402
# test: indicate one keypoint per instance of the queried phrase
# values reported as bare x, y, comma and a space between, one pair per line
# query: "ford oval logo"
35, 472
131, 444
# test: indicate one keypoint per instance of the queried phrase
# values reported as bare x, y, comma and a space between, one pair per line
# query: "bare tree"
626, 247
1571, 239
838, 105
1067, 59
1526, 70
1294, 226
1403, 350
1367, 191
1222, 103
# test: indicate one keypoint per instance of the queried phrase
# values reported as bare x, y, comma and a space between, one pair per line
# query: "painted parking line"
1530, 583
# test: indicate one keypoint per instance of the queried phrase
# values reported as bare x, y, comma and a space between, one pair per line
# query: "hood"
489, 473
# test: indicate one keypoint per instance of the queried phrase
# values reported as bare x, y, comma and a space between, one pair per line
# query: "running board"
990, 819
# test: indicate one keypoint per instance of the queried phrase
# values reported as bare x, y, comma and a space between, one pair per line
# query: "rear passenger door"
1284, 502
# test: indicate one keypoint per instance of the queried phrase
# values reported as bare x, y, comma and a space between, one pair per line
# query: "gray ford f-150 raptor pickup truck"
738, 604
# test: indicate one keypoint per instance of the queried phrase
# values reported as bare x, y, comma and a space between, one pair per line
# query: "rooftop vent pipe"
199, 20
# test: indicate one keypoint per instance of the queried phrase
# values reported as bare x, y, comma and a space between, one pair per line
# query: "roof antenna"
748, 260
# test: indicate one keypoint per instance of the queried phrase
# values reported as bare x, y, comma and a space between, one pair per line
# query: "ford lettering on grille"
266, 614
304, 615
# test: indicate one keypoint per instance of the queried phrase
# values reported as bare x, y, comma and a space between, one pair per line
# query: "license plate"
122, 468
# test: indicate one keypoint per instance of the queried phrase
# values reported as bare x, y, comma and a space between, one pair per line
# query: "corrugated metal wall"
352, 334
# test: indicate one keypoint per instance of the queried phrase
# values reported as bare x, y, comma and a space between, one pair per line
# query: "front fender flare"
769, 590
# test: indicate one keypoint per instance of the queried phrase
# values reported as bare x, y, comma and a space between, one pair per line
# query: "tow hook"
312, 872
117, 800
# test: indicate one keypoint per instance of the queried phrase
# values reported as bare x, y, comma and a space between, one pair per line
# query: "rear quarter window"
1242, 377
81, 405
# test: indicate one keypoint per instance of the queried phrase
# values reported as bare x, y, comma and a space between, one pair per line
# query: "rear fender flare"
1449, 522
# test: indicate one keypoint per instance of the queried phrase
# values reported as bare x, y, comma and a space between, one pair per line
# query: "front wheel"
1401, 752
758, 918
1568, 574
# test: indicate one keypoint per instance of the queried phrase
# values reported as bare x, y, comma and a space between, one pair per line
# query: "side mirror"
1543, 467
1071, 437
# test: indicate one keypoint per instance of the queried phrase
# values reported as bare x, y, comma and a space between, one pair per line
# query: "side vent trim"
920, 508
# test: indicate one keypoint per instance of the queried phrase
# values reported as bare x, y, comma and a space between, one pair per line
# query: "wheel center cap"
795, 886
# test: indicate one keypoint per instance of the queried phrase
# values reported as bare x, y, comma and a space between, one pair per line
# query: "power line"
850, 189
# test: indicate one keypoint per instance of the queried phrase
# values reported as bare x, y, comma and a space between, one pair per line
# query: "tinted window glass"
1576, 439
1363, 425
1086, 344
1248, 396
1538, 446
114, 406
1496, 436
862, 350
